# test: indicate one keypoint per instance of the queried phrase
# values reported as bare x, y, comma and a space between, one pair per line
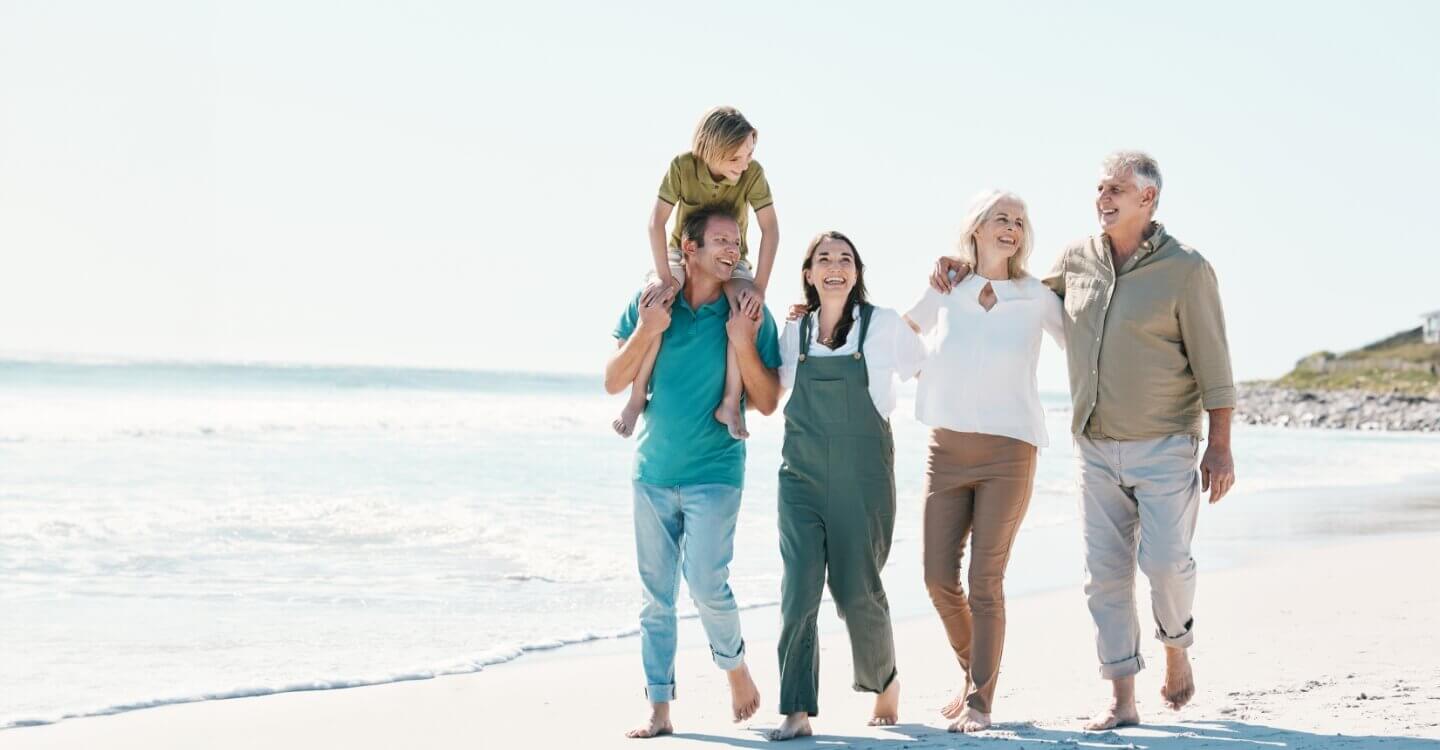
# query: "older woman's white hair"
981, 208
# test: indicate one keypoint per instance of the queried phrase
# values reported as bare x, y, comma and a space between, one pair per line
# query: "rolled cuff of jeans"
660, 693
728, 663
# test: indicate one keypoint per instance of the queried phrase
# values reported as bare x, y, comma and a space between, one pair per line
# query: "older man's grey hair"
1141, 166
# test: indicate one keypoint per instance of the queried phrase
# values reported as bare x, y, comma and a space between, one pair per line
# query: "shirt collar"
1005, 289
1154, 239
715, 307
702, 171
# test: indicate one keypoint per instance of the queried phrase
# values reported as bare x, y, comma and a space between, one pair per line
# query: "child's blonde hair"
980, 209
719, 134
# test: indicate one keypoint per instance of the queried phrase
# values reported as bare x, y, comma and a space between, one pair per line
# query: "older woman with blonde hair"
979, 395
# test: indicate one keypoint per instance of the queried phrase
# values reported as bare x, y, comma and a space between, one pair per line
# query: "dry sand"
1332, 647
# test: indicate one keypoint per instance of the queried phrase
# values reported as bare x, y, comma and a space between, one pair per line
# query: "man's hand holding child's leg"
745, 299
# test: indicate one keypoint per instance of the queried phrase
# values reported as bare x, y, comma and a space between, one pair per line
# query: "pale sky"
466, 185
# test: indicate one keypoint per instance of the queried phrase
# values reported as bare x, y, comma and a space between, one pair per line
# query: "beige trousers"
1138, 504
977, 487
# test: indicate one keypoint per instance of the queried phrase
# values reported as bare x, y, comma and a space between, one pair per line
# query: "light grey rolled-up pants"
1138, 502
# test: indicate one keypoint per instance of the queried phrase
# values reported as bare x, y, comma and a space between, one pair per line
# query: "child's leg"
639, 390
630, 415
730, 412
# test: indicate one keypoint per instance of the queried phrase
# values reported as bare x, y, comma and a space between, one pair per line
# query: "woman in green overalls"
837, 481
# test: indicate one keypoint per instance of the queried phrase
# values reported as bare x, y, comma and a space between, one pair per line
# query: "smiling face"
832, 269
732, 166
719, 252
1002, 233
1122, 205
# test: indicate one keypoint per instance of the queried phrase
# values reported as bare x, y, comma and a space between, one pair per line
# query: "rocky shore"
1337, 410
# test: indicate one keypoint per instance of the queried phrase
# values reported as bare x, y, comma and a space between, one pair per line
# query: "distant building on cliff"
1432, 327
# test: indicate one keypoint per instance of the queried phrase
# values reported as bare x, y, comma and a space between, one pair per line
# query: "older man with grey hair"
1147, 354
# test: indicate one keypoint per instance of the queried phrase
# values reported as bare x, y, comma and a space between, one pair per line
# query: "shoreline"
1216, 549
1275, 662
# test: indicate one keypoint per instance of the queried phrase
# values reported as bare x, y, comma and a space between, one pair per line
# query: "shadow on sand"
1199, 735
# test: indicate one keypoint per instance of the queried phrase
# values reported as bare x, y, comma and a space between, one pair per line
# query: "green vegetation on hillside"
1403, 363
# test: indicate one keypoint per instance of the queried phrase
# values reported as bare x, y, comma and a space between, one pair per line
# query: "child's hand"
750, 301
659, 291
798, 311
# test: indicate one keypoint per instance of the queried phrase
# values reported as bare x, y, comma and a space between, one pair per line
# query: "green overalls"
837, 510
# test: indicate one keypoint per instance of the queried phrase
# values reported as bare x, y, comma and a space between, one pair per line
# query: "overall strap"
804, 336
865, 311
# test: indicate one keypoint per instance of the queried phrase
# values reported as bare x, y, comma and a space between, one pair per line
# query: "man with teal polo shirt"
688, 470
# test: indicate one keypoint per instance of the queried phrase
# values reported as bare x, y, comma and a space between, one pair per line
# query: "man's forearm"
624, 364
762, 384
1220, 427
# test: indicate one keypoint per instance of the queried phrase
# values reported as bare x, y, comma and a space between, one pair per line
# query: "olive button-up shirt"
1146, 344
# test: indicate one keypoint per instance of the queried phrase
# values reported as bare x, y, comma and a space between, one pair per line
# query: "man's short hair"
1139, 165
696, 221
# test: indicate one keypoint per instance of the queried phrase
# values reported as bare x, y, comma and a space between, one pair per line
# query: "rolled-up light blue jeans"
689, 530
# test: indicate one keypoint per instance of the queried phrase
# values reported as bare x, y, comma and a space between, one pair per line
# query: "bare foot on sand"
794, 725
629, 416
1114, 716
733, 417
657, 726
971, 720
956, 704
744, 696
1122, 711
887, 706
1179, 685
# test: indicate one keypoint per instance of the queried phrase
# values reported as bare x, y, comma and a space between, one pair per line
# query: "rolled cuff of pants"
660, 693
1183, 640
728, 663
1123, 668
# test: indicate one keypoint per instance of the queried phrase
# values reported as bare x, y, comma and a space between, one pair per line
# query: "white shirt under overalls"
892, 353
980, 373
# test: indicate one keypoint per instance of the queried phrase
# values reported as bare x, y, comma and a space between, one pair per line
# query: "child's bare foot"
744, 696
733, 417
956, 704
887, 706
657, 725
1179, 685
794, 725
629, 416
971, 720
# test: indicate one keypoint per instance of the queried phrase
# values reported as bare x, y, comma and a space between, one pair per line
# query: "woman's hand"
940, 278
797, 312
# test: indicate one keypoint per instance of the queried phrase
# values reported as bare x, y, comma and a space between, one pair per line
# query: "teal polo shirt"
680, 442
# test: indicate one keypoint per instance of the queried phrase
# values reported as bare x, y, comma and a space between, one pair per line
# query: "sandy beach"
1332, 647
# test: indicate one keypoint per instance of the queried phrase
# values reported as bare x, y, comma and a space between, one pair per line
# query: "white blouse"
892, 350
980, 374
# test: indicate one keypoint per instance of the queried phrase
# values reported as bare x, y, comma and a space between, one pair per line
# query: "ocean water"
174, 532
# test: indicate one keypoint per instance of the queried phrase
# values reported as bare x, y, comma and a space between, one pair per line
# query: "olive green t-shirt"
1145, 342
688, 185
